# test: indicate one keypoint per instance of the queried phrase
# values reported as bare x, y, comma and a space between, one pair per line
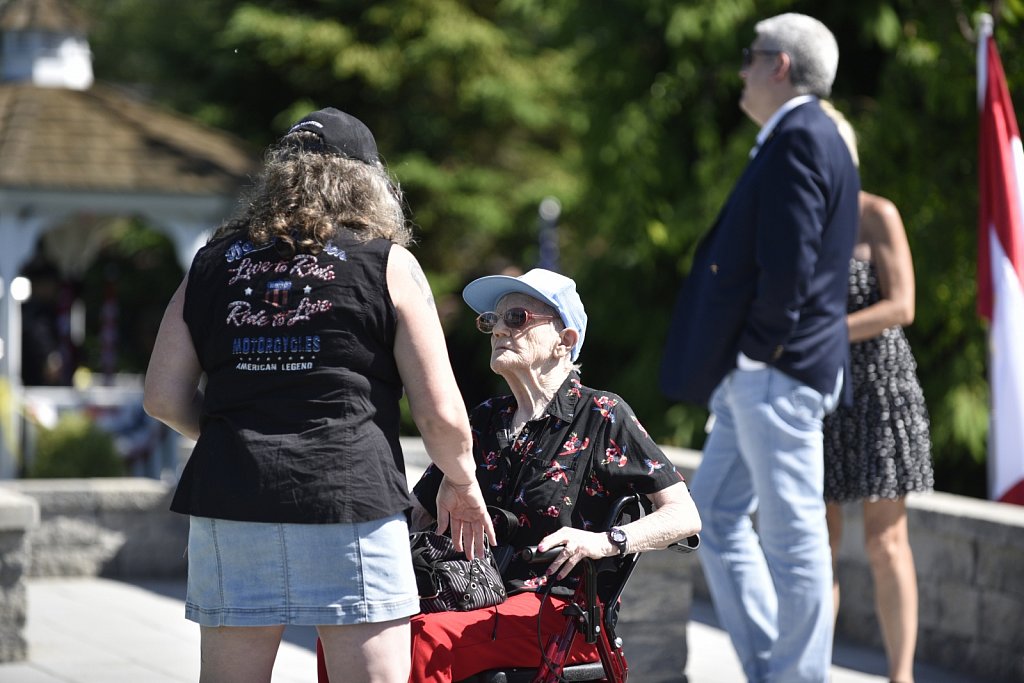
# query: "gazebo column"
188, 236
18, 234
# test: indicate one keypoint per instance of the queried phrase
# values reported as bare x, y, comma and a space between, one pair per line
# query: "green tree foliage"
667, 142
467, 110
627, 112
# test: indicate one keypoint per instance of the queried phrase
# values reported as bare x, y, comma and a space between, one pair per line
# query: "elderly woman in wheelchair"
557, 455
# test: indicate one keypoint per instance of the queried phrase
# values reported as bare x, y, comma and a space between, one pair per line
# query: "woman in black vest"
284, 353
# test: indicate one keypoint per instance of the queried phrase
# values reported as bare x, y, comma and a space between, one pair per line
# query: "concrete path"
102, 631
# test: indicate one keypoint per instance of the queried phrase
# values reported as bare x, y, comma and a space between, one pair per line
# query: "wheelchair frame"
593, 616
596, 623
593, 613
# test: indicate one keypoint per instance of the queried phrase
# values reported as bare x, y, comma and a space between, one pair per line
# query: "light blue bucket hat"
554, 289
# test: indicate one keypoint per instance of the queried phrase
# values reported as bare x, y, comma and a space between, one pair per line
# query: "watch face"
618, 538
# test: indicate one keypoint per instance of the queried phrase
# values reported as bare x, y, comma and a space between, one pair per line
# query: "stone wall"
116, 527
969, 556
19, 515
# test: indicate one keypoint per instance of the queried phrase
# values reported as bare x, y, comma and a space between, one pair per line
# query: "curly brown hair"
305, 194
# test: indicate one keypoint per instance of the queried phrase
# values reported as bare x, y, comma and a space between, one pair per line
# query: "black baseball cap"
341, 133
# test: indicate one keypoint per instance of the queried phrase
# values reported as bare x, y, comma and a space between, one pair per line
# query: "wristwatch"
618, 539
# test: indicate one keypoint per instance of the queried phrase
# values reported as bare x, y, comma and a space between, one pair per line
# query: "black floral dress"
880, 447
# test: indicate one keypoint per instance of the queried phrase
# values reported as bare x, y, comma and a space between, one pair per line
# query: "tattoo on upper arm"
421, 281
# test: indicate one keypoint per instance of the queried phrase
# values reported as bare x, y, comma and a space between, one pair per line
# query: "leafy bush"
75, 448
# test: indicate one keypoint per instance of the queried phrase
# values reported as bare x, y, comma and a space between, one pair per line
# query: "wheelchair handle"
687, 545
530, 555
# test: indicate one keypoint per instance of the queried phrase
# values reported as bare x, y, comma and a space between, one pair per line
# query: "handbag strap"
506, 524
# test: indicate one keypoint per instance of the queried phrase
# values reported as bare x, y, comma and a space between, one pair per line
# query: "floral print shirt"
536, 474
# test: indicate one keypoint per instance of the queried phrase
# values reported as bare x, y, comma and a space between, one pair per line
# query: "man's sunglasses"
749, 53
515, 319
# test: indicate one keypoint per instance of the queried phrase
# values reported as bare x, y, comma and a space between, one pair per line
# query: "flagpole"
985, 24
983, 34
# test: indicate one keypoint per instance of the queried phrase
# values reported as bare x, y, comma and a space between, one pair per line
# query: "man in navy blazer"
759, 330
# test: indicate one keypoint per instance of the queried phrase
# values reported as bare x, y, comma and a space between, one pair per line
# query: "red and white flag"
1001, 269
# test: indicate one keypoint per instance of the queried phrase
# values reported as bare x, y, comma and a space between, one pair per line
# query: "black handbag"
447, 581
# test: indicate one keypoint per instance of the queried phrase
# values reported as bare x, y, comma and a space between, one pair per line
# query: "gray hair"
812, 49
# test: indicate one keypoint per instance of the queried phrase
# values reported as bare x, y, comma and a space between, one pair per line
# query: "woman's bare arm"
882, 229
674, 518
172, 393
436, 404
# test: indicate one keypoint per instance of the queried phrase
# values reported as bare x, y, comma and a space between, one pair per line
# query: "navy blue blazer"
770, 277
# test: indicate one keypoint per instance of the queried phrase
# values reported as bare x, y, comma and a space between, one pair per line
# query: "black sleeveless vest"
300, 417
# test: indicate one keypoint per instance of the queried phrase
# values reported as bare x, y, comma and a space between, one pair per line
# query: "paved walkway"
102, 631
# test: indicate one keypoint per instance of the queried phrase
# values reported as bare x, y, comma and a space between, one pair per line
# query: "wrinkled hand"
576, 545
462, 507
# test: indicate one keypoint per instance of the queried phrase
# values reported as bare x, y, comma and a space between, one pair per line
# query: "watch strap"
618, 538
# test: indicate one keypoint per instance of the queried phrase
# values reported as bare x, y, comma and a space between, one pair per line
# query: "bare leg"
238, 654
834, 519
892, 563
368, 653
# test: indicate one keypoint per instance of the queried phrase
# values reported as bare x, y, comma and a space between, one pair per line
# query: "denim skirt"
266, 574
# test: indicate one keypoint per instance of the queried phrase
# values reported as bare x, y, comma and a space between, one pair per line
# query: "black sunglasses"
750, 52
515, 318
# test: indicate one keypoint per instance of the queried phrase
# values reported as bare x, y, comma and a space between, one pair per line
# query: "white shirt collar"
787, 107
